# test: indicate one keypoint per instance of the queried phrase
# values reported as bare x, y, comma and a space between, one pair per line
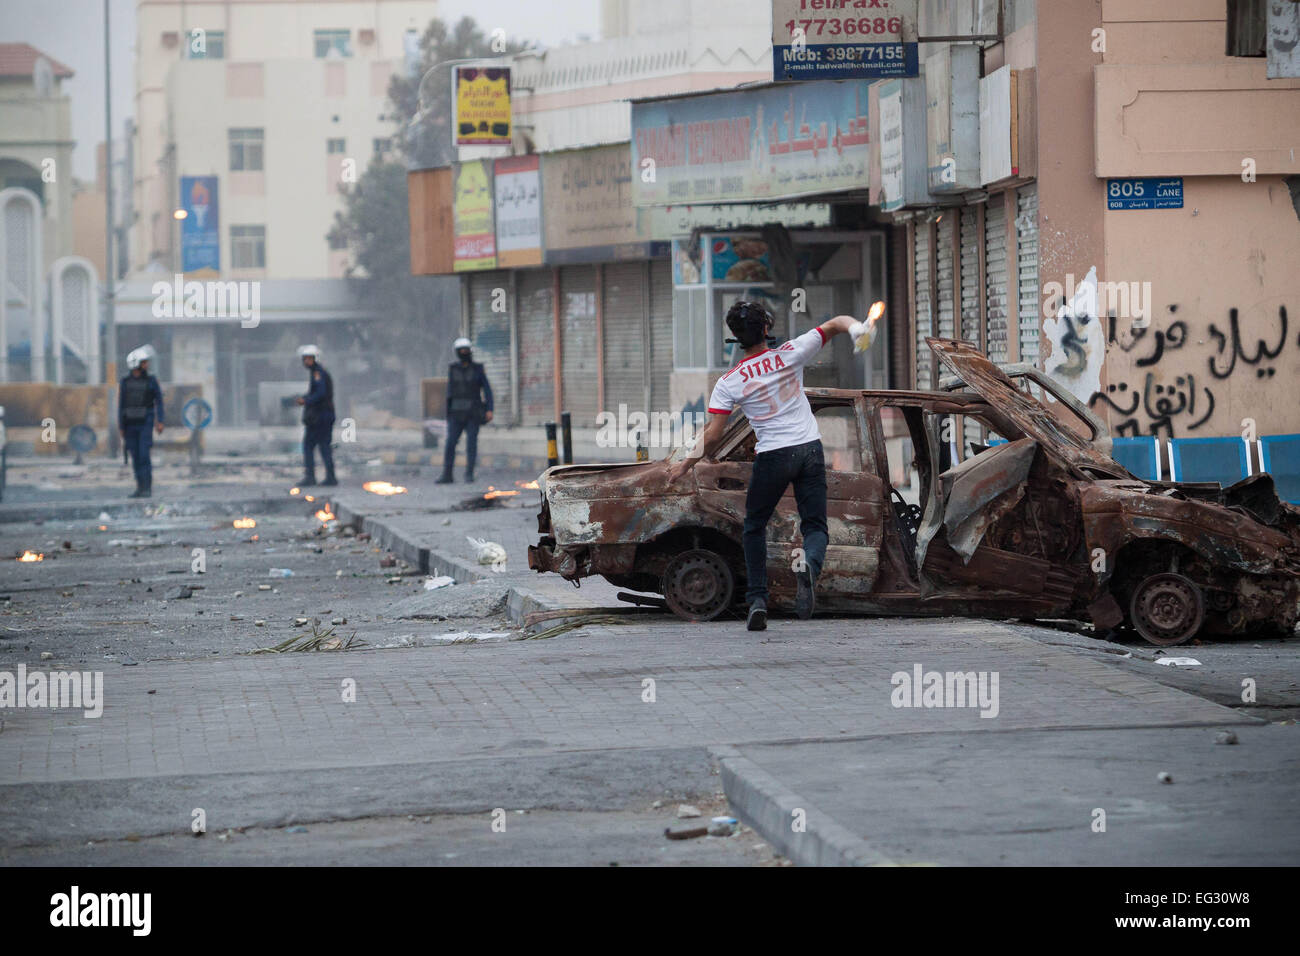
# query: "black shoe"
757, 620
469, 478
307, 482
444, 480
805, 601
138, 493
329, 482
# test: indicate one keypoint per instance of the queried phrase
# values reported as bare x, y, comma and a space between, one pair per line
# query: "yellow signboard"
482, 106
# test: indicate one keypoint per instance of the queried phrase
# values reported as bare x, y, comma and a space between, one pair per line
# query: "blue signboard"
196, 414
1152, 193
845, 61
200, 236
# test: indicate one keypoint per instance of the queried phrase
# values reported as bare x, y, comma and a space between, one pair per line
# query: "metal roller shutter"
624, 313
661, 334
1027, 234
536, 347
995, 257
490, 332
971, 239
945, 297
578, 341
921, 259
970, 274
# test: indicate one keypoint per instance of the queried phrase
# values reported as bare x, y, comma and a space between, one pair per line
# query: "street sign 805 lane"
1145, 193
844, 39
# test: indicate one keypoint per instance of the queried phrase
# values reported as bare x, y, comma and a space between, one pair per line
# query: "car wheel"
1167, 609
698, 585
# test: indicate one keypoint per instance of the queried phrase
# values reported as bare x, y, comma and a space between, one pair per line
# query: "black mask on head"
751, 324
463, 354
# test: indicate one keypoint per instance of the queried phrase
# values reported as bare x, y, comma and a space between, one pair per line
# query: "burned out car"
977, 501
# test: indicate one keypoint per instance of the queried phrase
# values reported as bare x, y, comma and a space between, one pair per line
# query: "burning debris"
245, 523
325, 516
27, 556
492, 492
527, 484
294, 491
383, 488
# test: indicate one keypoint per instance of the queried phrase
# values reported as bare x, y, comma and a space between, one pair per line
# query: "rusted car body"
1045, 525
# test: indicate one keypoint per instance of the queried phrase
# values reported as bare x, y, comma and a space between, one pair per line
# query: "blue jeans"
804, 466
313, 437
455, 426
139, 440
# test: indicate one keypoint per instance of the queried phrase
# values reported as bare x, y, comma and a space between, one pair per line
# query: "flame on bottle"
877, 310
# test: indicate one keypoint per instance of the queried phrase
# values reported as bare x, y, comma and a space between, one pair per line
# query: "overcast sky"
72, 32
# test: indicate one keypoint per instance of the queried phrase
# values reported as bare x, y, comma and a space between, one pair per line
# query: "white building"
270, 107
577, 95
35, 206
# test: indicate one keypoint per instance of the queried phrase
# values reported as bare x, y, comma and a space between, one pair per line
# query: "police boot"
139, 491
444, 479
330, 481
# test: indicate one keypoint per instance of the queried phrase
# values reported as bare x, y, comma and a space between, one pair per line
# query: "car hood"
632, 479
1030, 415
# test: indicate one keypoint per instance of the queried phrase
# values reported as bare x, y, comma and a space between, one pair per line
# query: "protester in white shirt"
767, 385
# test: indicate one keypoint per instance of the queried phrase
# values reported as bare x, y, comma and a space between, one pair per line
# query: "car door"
853, 511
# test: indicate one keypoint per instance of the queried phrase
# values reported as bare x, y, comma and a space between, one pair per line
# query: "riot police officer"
317, 417
469, 405
139, 413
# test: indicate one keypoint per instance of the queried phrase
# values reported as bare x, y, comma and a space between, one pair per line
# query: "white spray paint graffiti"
1078, 341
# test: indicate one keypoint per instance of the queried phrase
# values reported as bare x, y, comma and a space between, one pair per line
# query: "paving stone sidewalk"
715, 684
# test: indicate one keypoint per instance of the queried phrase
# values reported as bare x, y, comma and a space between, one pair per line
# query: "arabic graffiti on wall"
1173, 395
769, 143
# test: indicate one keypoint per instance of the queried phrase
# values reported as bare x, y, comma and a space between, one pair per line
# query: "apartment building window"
1247, 28
383, 145
248, 247
205, 44
245, 150
333, 44
333, 146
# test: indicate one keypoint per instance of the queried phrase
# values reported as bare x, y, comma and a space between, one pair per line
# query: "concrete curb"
520, 601
761, 801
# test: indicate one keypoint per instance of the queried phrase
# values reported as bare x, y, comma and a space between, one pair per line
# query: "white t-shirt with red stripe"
768, 388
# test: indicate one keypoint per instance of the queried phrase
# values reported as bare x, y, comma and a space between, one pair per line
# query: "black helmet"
749, 322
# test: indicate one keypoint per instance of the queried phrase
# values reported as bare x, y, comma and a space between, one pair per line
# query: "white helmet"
312, 350
461, 343
144, 353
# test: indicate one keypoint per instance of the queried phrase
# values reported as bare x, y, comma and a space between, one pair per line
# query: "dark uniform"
469, 396
318, 422
138, 396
